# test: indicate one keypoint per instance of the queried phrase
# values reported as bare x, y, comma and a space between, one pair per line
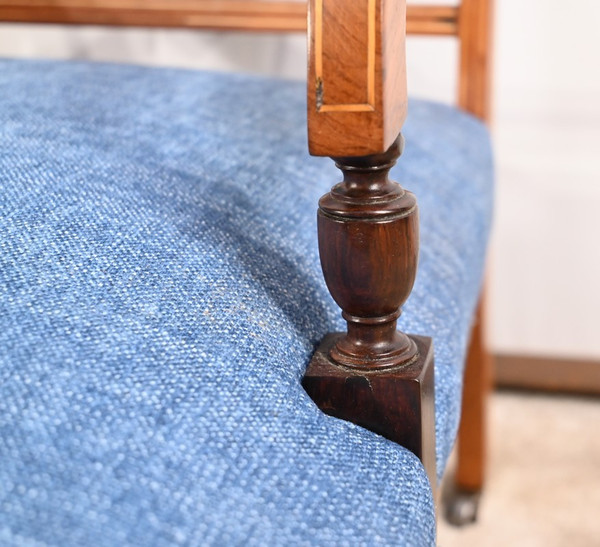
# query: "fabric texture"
161, 297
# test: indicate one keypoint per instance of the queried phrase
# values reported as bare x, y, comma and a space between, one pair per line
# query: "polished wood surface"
372, 375
368, 243
475, 33
472, 438
474, 96
251, 15
431, 20
208, 14
397, 402
357, 96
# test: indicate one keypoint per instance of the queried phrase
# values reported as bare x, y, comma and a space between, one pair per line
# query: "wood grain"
374, 375
475, 33
345, 54
208, 14
250, 15
396, 403
432, 20
368, 242
474, 96
355, 107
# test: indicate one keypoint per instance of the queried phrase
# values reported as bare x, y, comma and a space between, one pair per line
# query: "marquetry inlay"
336, 60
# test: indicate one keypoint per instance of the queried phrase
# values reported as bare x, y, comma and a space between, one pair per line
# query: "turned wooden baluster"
373, 374
368, 242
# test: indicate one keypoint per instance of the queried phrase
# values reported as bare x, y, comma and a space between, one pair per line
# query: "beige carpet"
543, 485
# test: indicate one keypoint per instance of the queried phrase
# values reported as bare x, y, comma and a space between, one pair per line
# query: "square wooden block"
397, 403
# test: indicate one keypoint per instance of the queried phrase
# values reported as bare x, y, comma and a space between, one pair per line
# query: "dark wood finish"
374, 375
368, 243
395, 402
250, 15
547, 374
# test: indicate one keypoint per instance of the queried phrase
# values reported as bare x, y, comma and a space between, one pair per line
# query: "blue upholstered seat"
161, 296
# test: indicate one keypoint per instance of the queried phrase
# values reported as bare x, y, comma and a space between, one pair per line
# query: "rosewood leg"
374, 375
463, 503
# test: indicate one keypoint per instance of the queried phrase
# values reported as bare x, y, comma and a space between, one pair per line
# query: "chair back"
470, 22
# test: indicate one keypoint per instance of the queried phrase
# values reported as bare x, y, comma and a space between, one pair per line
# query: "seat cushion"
161, 297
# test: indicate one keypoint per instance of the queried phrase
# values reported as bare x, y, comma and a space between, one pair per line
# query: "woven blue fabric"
161, 296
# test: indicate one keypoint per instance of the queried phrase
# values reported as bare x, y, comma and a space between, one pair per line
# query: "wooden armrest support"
372, 375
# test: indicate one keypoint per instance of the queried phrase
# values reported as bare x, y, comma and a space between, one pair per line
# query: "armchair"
162, 298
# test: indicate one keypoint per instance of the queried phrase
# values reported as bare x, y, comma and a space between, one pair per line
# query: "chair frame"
470, 23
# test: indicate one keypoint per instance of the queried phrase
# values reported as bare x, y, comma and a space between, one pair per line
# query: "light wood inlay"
356, 76
341, 44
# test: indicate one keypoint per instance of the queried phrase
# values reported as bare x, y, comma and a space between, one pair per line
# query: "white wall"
545, 265
545, 274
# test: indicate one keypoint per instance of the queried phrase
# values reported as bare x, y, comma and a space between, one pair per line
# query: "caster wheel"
461, 508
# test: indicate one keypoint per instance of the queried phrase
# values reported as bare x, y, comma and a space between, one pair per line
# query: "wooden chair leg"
374, 375
462, 504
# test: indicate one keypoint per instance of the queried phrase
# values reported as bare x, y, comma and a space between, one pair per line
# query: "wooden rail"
432, 20
250, 15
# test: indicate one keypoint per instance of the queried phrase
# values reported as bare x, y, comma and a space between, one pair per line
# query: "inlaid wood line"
369, 106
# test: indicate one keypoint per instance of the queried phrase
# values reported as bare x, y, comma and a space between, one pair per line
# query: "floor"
543, 478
